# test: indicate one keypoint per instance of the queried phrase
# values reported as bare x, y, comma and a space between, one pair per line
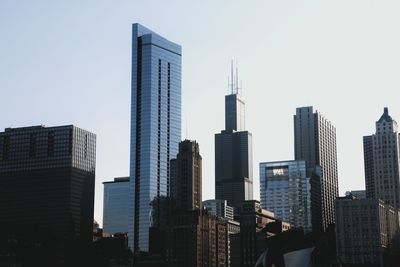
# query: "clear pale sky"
69, 62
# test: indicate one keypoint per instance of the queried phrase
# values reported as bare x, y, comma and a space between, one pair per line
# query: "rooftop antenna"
186, 137
238, 87
232, 79
229, 84
237, 77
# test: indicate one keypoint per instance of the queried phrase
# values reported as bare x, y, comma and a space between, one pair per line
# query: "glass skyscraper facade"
155, 126
285, 190
115, 207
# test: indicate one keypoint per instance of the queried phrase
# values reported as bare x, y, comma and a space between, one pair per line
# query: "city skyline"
108, 84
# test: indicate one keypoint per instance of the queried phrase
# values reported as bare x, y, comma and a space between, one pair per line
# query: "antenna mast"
237, 77
233, 81
186, 128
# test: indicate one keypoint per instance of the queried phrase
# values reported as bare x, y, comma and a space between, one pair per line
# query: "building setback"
365, 230
47, 177
234, 154
155, 126
116, 206
315, 142
286, 191
219, 208
224, 216
356, 193
382, 161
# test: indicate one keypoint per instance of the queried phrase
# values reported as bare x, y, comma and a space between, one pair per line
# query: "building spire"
233, 80
385, 116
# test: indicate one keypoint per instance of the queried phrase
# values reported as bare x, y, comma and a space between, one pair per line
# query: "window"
86, 146
50, 143
6, 147
32, 145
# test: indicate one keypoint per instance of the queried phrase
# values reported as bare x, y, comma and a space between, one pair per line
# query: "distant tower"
115, 206
233, 152
315, 142
188, 176
382, 161
285, 190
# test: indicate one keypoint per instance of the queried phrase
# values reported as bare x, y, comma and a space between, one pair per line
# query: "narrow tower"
381, 161
188, 176
315, 142
233, 151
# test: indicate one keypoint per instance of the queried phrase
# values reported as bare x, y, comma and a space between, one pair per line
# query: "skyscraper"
286, 191
188, 176
115, 207
47, 177
192, 231
155, 126
382, 161
233, 153
315, 142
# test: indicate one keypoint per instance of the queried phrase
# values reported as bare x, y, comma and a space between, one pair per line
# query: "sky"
69, 62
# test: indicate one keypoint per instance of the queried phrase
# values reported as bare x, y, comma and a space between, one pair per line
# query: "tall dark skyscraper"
155, 126
188, 176
382, 161
233, 153
315, 142
192, 231
47, 177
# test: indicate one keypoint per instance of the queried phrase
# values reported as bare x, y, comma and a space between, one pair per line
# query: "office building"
221, 238
253, 232
191, 239
315, 142
285, 189
219, 208
47, 177
172, 178
116, 205
191, 235
233, 153
369, 167
382, 161
155, 126
188, 176
224, 214
365, 231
